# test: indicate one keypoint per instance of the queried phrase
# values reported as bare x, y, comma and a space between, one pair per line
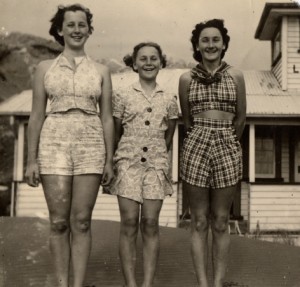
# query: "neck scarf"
199, 73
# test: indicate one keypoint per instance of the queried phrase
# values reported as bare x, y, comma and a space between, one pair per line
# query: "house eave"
271, 17
276, 116
18, 114
273, 120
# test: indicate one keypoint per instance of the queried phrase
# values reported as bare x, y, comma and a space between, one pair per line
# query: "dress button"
149, 110
145, 149
147, 123
143, 159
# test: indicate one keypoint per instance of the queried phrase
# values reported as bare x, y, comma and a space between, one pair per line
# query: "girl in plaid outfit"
213, 103
145, 118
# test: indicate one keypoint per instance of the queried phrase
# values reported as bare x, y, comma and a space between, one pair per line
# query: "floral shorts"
141, 182
71, 143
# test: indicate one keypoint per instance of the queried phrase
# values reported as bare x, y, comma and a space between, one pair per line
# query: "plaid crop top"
212, 92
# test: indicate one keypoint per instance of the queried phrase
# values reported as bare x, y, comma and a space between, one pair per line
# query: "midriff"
216, 115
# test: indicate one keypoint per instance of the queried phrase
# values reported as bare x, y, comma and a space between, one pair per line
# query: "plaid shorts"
71, 143
212, 154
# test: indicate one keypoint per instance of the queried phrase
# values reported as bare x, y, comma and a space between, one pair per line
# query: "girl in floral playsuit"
145, 118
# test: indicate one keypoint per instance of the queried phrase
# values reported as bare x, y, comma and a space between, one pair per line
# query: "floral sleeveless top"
68, 88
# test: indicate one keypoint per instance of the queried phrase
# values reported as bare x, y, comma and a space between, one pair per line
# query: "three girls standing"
72, 150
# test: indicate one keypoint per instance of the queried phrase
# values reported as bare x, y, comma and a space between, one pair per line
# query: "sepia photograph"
149, 143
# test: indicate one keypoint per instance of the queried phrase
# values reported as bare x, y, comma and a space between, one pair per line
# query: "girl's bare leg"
57, 189
84, 194
150, 234
129, 210
221, 202
200, 209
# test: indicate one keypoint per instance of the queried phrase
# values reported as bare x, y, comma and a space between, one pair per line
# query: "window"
264, 153
276, 47
25, 147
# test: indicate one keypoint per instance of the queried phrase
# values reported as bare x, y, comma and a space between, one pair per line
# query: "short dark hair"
129, 60
58, 19
214, 23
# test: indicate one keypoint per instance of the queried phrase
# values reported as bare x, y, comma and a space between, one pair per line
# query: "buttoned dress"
141, 159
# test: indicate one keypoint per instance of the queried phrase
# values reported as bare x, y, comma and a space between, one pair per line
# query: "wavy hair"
58, 19
214, 23
129, 60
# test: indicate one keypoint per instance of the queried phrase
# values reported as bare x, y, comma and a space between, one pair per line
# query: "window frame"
276, 54
266, 175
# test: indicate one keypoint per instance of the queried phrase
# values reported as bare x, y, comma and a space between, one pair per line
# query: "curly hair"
214, 23
58, 19
129, 60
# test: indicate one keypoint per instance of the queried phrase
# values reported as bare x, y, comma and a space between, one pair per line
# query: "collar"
63, 61
137, 86
200, 74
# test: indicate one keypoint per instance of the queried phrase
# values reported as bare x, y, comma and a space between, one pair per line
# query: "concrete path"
25, 260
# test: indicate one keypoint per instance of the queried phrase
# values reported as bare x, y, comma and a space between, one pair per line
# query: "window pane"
258, 144
276, 46
25, 147
267, 144
264, 155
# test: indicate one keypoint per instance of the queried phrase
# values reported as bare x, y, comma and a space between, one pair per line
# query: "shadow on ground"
26, 261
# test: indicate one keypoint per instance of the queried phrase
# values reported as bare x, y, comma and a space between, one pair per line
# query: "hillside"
19, 55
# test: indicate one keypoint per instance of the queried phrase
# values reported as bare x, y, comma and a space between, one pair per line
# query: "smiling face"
211, 45
75, 29
147, 63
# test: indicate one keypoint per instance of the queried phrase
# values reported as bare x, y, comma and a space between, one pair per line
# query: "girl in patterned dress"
145, 118
71, 150
213, 103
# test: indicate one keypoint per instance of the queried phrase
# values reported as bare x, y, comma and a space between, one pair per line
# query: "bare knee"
149, 226
81, 225
200, 224
129, 227
59, 226
220, 224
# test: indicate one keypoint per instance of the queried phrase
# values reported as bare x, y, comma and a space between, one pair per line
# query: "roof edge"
267, 9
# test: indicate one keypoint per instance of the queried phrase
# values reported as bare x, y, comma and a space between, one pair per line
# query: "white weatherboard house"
269, 194
272, 137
